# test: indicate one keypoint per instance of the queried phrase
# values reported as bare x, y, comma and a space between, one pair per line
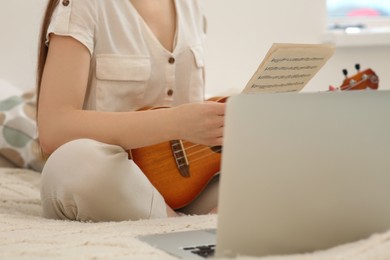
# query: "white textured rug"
25, 234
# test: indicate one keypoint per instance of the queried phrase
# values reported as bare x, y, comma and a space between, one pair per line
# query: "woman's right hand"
201, 123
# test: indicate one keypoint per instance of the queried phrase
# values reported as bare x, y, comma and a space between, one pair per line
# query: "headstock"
366, 79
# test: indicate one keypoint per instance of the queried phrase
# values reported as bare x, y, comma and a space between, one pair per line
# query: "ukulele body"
161, 166
178, 169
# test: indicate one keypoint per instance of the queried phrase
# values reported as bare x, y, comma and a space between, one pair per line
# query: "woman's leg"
86, 180
206, 202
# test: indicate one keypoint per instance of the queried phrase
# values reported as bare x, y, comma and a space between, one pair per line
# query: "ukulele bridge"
180, 157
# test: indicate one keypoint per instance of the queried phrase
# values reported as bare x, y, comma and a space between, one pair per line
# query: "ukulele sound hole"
216, 149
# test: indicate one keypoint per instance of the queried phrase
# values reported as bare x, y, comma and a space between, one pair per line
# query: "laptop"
300, 172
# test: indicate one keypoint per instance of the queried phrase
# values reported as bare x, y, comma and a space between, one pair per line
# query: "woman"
101, 61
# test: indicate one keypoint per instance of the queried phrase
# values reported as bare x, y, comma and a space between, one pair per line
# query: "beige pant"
86, 180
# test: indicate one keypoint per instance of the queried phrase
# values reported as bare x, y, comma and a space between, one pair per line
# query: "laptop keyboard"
203, 251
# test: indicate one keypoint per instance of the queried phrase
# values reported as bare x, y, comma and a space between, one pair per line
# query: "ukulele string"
200, 157
186, 149
349, 87
205, 147
203, 155
208, 149
190, 147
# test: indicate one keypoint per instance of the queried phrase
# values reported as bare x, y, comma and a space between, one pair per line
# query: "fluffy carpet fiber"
24, 234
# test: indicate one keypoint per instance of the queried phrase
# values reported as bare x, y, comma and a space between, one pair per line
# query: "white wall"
241, 31
239, 34
19, 27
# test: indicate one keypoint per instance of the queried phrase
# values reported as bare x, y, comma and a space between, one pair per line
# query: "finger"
217, 108
220, 109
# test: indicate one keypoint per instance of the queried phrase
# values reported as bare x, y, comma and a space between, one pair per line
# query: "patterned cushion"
18, 134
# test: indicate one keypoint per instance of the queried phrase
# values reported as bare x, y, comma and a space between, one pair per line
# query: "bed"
25, 234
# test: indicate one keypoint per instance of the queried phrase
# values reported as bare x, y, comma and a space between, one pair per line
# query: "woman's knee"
88, 180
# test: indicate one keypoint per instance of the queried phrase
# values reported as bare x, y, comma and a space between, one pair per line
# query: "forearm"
126, 129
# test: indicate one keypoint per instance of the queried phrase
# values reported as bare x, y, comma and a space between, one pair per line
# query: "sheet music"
288, 67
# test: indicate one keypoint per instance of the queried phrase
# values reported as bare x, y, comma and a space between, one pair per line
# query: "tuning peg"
345, 72
357, 67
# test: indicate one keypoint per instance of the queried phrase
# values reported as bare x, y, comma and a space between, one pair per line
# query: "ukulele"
366, 79
179, 169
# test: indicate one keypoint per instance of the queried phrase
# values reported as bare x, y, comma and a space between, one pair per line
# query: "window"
356, 8
358, 13
359, 22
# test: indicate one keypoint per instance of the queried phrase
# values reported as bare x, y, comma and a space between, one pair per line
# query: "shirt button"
170, 92
65, 2
171, 60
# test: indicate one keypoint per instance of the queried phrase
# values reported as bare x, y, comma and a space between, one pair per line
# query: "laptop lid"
303, 172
